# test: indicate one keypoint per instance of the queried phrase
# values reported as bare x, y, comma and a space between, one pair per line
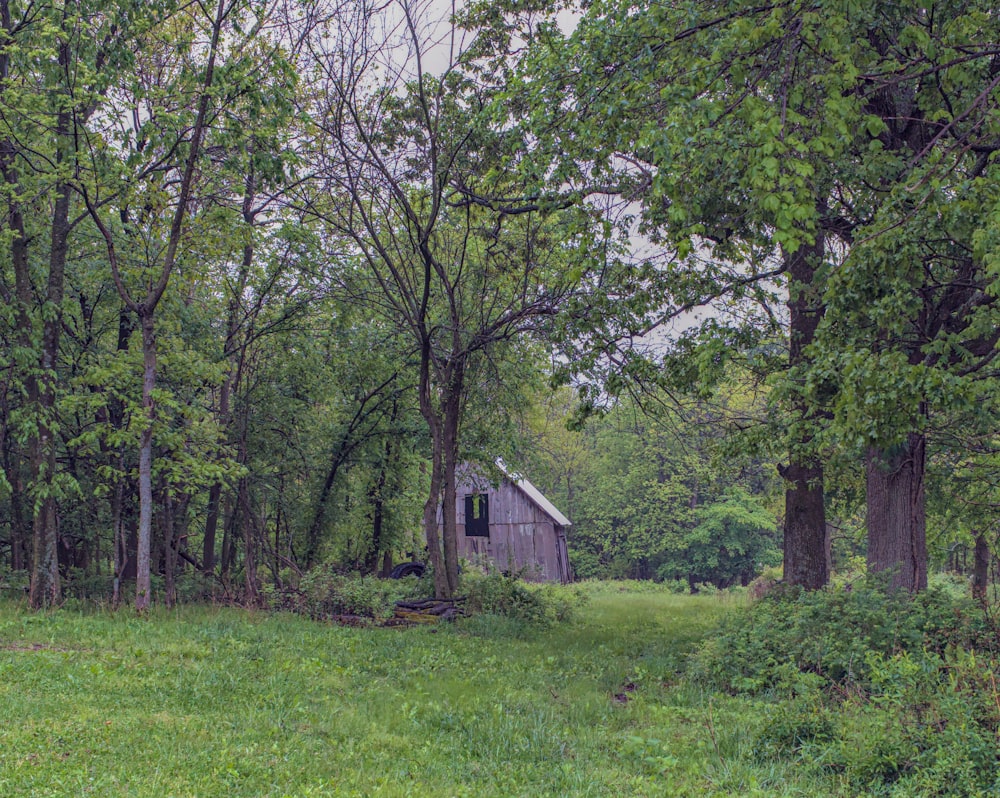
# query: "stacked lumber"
429, 610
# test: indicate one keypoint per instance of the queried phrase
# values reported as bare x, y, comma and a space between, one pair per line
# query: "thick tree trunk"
805, 515
897, 523
805, 527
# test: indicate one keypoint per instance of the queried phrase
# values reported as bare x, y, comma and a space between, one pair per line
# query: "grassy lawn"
217, 702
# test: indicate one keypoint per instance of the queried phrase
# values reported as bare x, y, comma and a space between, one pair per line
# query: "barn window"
477, 515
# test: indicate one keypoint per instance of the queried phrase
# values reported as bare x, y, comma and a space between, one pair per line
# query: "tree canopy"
272, 271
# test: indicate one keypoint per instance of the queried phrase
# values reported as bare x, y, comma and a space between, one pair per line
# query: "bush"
610, 587
493, 593
832, 633
897, 695
323, 594
927, 725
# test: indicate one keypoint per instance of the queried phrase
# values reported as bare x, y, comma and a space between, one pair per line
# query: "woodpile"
428, 610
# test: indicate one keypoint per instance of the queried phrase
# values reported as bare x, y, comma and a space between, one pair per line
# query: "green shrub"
832, 633
893, 695
493, 593
611, 587
927, 726
323, 594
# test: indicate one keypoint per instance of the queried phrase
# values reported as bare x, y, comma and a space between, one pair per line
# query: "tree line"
272, 270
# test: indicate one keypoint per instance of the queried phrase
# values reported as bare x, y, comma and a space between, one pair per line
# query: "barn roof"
534, 494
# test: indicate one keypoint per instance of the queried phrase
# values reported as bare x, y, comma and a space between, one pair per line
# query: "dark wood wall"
523, 538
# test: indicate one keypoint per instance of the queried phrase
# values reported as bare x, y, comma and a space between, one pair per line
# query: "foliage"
732, 538
833, 634
897, 696
324, 594
651, 491
494, 593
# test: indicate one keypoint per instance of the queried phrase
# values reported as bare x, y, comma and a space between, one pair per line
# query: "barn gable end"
526, 532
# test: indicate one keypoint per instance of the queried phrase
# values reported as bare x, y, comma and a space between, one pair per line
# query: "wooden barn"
512, 526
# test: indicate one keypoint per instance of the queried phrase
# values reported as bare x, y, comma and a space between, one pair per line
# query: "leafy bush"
896, 695
493, 593
926, 726
323, 594
832, 633
610, 587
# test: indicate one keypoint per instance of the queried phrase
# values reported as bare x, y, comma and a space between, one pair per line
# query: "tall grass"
218, 702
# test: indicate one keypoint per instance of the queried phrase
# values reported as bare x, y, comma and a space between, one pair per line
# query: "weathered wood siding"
522, 539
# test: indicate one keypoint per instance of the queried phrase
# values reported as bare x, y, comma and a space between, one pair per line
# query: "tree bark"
896, 518
805, 527
805, 562
45, 588
449, 524
981, 568
169, 553
235, 355
376, 496
431, 528
252, 533
142, 579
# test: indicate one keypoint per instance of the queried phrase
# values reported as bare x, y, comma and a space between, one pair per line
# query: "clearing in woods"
219, 702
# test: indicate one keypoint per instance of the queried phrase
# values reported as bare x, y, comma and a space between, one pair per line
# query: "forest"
715, 284
721, 278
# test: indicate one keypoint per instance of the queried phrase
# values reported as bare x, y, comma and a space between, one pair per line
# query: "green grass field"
218, 702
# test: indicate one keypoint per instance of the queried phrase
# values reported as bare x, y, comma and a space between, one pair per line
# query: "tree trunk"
169, 554
12, 471
230, 518
143, 585
805, 527
235, 355
116, 417
377, 496
449, 523
45, 587
118, 525
805, 514
377, 499
981, 568
41, 382
897, 523
211, 525
431, 529
252, 531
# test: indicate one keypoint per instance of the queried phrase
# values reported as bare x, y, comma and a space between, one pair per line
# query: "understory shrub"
896, 694
323, 594
494, 593
832, 633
